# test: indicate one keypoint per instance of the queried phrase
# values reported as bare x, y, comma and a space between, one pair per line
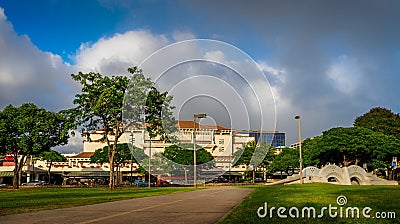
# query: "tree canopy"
254, 154
380, 120
289, 157
122, 155
51, 157
99, 106
353, 145
29, 131
109, 105
183, 154
158, 114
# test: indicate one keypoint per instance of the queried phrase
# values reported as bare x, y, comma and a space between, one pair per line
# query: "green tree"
183, 154
311, 151
122, 155
100, 105
157, 112
50, 157
253, 154
28, 131
380, 120
353, 145
289, 157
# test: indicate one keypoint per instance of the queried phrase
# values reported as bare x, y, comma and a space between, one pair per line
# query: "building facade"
221, 142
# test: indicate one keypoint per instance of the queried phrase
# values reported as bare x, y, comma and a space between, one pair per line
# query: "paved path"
201, 206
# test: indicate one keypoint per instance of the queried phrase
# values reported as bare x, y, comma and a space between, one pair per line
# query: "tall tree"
51, 156
380, 120
28, 131
99, 107
111, 105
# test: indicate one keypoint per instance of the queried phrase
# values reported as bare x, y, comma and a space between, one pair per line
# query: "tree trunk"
254, 174
390, 174
112, 184
48, 172
149, 183
357, 161
16, 177
17, 170
346, 162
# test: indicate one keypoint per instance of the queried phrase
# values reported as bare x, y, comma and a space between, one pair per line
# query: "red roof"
83, 155
185, 124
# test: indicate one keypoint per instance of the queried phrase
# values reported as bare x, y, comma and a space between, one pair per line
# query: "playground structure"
352, 175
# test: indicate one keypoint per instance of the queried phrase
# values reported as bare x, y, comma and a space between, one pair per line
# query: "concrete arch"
358, 173
310, 171
355, 181
345, 176
360, 178
331, 170
337, 176
328, 169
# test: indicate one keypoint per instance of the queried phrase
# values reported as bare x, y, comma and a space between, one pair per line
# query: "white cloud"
2, 15
28, 74
115, 54
75, 144
277, 73
345, 74
215, 56
180, 36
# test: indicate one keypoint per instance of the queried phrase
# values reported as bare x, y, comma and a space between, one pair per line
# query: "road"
201, 206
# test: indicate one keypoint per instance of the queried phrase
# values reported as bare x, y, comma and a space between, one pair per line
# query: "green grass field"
36, 199
383, 200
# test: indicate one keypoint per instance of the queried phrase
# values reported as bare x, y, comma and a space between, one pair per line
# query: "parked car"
258, 180
219, 179
34, 183
142, 183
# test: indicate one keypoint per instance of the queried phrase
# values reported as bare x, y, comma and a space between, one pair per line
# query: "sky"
327, 61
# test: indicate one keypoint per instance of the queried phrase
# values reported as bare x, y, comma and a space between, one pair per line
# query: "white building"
221, 142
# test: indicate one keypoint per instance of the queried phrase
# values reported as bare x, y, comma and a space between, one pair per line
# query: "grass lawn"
378, 198
42, 198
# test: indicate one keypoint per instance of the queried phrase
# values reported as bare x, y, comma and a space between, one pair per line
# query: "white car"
34, 183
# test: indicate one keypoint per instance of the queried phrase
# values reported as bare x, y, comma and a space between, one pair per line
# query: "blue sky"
61, 27
329, 61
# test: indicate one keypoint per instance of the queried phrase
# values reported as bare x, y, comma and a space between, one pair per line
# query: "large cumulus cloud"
339, 58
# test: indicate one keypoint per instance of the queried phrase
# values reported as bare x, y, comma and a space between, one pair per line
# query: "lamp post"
132, 141
301, 158
195, 116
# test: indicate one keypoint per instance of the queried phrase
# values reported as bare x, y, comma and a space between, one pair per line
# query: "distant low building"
220, 141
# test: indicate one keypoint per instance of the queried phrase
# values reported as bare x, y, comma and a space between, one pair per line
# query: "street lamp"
195, 116
301, 158
132, 141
